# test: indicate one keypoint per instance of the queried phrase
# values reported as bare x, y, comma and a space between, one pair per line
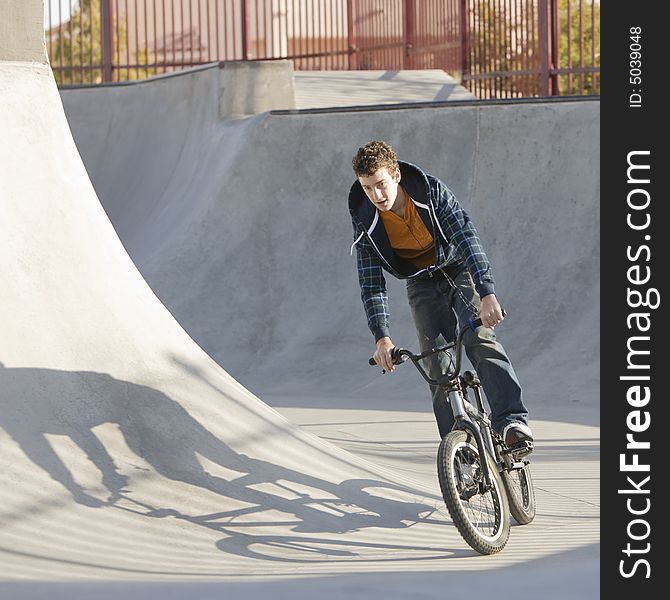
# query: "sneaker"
517, 433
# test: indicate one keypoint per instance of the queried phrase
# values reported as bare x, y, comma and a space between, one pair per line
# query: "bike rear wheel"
520, 493
481, 516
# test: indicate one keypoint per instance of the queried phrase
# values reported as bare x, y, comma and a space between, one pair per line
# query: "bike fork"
457, 402
485, 426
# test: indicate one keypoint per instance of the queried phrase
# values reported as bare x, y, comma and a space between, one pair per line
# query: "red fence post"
410, 33
106, 41
465, 40
543, 34
351, 37
245, 31
555, 52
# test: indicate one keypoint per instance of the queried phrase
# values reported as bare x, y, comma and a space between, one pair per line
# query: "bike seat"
471, 378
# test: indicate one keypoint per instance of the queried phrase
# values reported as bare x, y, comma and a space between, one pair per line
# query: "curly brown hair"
373, 156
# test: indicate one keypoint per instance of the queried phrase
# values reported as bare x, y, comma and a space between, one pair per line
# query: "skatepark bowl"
186, 408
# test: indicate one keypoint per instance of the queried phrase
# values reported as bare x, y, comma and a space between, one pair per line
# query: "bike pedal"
522, 448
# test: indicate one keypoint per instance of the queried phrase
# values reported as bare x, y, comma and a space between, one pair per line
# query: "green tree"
75, 48
577, 42
506, 40
500, 42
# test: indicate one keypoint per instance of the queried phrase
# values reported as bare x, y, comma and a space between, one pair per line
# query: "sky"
66, 8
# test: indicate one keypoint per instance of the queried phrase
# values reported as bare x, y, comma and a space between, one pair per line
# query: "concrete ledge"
248, 88
22, 31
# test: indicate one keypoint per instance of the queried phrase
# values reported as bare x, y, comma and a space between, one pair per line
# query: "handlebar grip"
395, 355
474, 323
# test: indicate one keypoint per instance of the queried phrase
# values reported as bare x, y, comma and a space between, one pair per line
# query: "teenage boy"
409, 224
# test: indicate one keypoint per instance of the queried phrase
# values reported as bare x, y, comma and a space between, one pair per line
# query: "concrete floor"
327, 89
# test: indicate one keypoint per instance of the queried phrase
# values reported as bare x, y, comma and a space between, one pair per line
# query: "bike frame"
472, 418
511, 494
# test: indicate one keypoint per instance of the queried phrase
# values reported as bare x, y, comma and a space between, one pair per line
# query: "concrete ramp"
126, 451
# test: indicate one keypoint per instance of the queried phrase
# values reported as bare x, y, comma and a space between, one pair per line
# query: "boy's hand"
490, 311
383, 356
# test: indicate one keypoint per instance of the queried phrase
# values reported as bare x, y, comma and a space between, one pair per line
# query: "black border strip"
633, 272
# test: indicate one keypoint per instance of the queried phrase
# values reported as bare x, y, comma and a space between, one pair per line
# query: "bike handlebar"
400, 355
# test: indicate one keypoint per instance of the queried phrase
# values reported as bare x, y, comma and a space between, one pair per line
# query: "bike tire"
482, 519
520, 494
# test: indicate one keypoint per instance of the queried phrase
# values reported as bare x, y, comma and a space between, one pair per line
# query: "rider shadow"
35, 403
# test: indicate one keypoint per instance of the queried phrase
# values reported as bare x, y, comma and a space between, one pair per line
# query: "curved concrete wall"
241, 227
117, 432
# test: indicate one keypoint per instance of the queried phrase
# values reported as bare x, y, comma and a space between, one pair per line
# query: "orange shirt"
409, 237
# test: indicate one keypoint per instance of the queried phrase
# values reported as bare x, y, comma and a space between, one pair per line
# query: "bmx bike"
482, 480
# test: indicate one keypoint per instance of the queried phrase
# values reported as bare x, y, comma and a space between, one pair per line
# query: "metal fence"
531, 47
498, 48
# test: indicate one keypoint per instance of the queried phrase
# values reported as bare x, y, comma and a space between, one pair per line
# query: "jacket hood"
412, 178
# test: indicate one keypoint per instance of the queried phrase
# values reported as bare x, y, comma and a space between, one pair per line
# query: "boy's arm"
373, 290
460, 231
375, 301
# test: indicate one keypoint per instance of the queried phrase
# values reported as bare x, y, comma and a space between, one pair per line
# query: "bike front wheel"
481, 515
520, 493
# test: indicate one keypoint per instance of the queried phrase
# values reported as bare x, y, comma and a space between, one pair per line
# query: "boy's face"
381, 188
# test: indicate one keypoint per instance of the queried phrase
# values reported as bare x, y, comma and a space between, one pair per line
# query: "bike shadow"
36, 403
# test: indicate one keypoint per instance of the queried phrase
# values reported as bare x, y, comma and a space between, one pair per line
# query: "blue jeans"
439, 309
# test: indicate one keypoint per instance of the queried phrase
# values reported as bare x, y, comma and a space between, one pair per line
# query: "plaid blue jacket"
456, 240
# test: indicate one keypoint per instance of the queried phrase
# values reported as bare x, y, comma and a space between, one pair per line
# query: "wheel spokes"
480, 506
